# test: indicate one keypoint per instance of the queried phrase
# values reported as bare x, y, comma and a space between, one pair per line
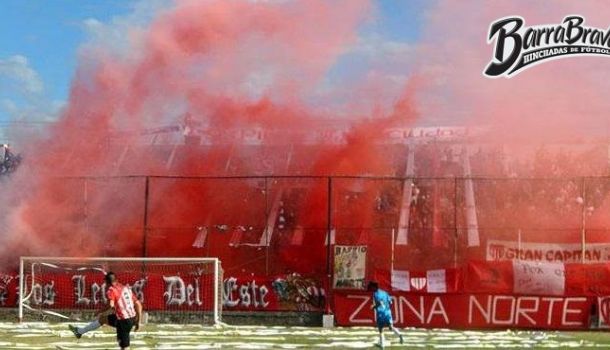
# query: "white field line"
183, 337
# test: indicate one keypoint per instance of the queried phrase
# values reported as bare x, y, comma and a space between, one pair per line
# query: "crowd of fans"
552, 189
543, 192
549, 194
546, 189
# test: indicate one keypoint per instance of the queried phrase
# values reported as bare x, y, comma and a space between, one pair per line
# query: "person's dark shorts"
123, 328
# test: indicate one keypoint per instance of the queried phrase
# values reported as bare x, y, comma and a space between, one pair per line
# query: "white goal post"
175, 289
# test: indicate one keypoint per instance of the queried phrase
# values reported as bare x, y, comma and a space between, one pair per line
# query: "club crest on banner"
419, 283
603, 305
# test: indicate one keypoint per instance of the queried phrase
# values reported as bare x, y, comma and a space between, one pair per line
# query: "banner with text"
169, 292
549, 252
470, 311
350, 266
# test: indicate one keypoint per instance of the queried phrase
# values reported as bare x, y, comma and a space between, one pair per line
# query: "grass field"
41, 335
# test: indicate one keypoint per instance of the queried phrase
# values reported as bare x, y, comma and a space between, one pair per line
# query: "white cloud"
92, 25
116, 35
8, 105
380, 50
16, 71
22, 92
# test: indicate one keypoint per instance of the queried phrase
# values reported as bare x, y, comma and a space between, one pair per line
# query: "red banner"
88, 291
523, 294
470, 311
489, 277
9, 284
591, 279
169, 292
536, 278
287, 293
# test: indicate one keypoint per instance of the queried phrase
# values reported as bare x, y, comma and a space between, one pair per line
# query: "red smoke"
256, 67
550, 120
231, 65
561, 100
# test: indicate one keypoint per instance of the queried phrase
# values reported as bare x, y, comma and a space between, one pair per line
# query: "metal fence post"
583, 230
266, 228
328, 246
455, 223
85, 212
21, 289
145, 220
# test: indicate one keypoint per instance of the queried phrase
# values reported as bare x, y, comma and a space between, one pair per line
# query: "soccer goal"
183, 290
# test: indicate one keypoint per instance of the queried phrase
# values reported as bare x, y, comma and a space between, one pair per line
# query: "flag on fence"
430, 281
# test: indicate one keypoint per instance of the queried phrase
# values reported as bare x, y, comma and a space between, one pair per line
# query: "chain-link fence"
276, 225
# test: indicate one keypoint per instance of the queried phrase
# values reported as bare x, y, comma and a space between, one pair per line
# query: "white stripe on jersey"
125, 308
130, 309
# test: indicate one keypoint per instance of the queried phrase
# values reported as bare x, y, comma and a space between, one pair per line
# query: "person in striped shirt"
124, 312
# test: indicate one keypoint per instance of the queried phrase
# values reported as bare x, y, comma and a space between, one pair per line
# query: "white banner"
350, 266
400, 280
538, 278
437, 282
548, 252
432, 281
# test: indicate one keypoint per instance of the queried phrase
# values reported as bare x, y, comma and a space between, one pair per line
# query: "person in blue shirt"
383, 311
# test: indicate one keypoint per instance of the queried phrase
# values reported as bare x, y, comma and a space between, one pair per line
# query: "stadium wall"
481, 295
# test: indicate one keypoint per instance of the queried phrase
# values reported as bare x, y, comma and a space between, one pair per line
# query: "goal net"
183, 290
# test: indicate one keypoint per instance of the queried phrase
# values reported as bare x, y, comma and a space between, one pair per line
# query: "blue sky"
47, 34
41, 39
